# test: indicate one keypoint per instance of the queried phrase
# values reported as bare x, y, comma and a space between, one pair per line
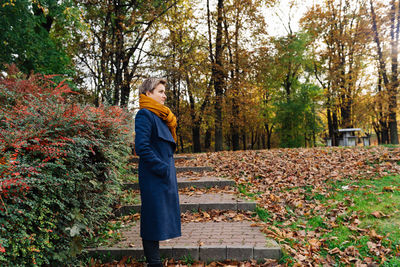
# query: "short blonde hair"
150, 84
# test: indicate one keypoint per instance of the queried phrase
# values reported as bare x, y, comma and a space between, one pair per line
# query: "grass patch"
263, 214
316, 222
390, 145
375, 204
242, 188
187, 260
349, 205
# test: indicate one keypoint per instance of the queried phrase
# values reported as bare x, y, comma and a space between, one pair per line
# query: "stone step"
186, 169
194, 169
198, 182
204, 241
205, 201
176, 157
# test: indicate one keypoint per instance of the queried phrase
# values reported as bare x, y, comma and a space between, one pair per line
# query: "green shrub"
59, 163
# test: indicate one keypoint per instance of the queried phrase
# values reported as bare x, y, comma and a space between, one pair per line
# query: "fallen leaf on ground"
378, 214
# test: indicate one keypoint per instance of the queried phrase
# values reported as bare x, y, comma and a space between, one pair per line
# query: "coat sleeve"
143, 149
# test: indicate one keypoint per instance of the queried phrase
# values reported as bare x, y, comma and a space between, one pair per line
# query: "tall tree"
342, 27
114, 46
218, 78
282, 70
388, 80
30, 36
181, 55
243, 24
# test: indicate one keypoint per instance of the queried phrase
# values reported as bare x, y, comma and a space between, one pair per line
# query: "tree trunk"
345, 111
196, 139
345, 106
330, 124
252, 139
207, 139
263, 141
235, 137
125, 91
314, 138
391, 86
335, 128
244, 140
384, 131
119, 53
181, 141
394, 139
378, 133
219, 84
269, 134
235, 88
195, 122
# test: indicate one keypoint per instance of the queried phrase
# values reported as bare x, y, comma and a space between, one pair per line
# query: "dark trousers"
152, 252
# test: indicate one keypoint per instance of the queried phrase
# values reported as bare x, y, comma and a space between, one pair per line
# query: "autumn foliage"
58, 168
297, 190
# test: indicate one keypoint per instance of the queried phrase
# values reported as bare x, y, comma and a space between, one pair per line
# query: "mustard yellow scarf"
161, 111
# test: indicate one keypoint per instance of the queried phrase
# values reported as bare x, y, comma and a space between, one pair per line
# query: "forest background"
232, 84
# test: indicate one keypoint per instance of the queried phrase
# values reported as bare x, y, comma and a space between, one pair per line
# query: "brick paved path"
176, 158
204, 241
202, 179
208, 201
204, 234
185, 169
198, 182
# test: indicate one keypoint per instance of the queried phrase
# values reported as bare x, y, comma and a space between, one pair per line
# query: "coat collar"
163, 131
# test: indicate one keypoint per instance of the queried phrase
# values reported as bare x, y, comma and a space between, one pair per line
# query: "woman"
155, 142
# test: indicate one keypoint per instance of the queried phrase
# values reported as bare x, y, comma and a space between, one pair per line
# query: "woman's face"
158, 94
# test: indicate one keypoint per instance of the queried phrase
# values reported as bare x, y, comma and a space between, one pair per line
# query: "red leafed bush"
58, 166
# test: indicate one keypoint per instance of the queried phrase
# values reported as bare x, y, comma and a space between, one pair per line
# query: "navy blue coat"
160, 213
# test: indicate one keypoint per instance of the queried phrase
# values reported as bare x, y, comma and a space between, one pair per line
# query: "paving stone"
193, 207
184, 182
188, 252
221, 201
270, 250
194, 169
218, 206
184, 169
240, 253
206, 198
166, 252
205, 241
246, 206
207, 201
212, 253
204, 182
177, 158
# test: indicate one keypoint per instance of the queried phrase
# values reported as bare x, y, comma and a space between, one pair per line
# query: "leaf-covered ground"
325, 206
296, 188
